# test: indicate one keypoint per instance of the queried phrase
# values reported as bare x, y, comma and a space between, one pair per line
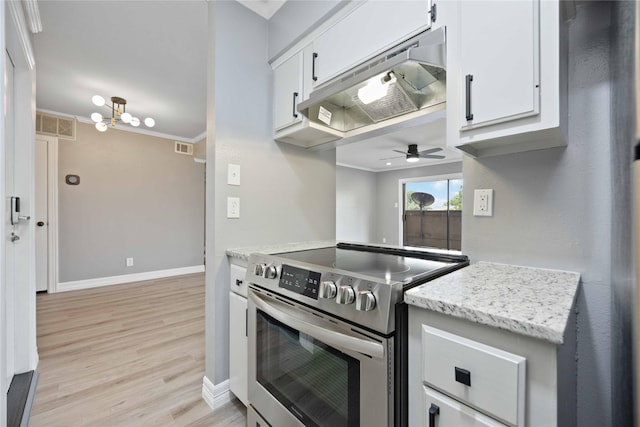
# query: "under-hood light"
376, 88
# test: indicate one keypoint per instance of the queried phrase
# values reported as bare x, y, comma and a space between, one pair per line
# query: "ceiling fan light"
149, 122
96, 117
98, 100
135, 122
412, 158
102, 127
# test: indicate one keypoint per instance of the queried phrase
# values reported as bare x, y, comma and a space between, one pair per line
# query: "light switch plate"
483, 202
233, 174
233, 207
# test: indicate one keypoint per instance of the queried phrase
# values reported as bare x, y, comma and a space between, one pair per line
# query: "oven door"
306, 369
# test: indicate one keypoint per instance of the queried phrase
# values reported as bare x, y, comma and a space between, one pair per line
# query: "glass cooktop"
382, 266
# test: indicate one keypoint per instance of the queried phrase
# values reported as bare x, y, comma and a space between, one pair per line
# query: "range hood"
408, 78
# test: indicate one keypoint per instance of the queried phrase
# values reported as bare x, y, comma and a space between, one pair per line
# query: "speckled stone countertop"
528, 301
244, 252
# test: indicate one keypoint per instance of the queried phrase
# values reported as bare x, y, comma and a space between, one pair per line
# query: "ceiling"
154, 54
376, 154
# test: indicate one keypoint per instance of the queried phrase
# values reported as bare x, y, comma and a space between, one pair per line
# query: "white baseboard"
215, 395
127, 278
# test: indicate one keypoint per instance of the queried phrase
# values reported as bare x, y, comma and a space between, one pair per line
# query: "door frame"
401, 201
52, 212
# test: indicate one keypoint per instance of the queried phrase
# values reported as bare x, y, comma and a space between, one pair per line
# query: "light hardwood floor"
126, 355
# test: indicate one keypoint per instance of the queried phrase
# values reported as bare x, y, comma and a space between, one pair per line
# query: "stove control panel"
334, 292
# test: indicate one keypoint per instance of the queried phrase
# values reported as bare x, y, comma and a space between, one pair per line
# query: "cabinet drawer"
447, 412
236, 279
487, 378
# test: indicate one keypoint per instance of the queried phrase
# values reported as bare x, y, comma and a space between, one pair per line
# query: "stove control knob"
270, 272
259, 270
365, 301
346, 295
327, 289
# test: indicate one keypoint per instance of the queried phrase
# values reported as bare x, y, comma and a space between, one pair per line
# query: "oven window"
317, 383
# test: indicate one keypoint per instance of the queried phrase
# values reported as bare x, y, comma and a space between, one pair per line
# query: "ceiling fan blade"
431, 156
398, 151
431, 150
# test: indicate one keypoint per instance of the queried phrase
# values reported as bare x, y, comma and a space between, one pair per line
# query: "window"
432, 214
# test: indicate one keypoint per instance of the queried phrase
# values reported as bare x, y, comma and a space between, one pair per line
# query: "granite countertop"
244, 252
528, 301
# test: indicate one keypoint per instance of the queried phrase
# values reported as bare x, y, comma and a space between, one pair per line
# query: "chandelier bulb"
96, 117
126, 117
135, 121
98, 100
149, 122
102, 127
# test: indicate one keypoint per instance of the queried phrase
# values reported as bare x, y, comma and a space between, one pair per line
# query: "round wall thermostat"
72, 179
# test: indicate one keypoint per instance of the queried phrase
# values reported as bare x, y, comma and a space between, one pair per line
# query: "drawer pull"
463, 376
433, 411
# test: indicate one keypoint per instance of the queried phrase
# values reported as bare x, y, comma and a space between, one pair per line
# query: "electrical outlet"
483, 202
129, 262
233, 207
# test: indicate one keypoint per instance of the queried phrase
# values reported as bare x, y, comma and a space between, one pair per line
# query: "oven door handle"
330, 337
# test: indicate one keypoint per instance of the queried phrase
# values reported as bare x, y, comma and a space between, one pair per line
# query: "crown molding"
128, 128
24, 38
32, 11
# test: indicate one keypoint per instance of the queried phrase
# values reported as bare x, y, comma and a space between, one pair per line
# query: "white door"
8, 324
41, 217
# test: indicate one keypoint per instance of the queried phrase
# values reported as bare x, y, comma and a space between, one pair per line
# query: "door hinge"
433, 11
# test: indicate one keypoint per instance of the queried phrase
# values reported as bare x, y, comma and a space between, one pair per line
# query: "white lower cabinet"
478, 375
442, 411
238, 341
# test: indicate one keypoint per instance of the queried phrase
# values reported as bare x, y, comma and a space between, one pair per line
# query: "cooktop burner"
382, 266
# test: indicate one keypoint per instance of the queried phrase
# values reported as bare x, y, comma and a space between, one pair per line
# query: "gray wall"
552, 208
136, 198
287, 194
295, 19
623, 128
356, 205
387, 189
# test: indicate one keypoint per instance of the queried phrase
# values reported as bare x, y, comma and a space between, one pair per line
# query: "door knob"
40, 223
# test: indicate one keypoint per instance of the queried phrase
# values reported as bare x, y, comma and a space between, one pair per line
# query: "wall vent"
62, 127
184, 148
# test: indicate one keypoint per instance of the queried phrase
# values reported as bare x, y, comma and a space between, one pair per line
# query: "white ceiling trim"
128, 128
264, 8
20, 22
33, 15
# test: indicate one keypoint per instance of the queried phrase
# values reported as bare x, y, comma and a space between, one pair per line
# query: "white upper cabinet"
292, 84
287, 92
368, 30
507, 84
499, 61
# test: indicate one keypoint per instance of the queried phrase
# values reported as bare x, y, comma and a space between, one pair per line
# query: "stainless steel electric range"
328, 333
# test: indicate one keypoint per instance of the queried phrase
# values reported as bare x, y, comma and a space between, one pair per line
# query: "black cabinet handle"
246, 322
40, 224
295, 95
433, 411
468, 80
463, 376
433, 12
313, 67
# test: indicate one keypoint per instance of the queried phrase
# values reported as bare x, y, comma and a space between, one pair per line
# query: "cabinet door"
287, 92
238, 342
442, 411
499, 61
368, 30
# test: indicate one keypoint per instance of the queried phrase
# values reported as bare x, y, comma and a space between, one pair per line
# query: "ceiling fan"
413, 155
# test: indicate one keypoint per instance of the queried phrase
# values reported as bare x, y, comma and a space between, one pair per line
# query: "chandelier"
118, 114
